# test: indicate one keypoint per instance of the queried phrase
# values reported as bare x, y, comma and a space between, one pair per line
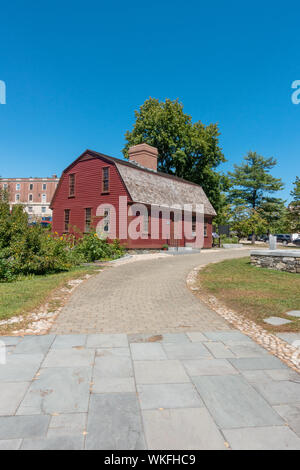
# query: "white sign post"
272, 242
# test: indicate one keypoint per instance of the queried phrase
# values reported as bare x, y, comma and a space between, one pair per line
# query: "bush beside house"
26, 250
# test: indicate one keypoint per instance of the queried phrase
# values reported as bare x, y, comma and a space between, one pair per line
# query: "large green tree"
245, 220
251, 181
275, 213
294, 208
186, 149
252, 184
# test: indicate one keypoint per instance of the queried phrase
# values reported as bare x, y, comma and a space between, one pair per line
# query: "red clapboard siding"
88, 194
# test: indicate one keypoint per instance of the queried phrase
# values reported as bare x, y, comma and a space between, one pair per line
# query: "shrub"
93, 248
6, 271
225, 239
28, 249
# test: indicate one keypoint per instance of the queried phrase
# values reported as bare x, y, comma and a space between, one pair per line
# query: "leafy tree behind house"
252, 184
186, 149
275, 213
246, 220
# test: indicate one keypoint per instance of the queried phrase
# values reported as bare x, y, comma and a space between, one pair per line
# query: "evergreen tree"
252, 183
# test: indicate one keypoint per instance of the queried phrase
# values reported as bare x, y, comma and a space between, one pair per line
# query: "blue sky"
76, 71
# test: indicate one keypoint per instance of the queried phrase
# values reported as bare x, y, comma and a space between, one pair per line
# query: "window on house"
18, 187
31, 187
88, 219
5, 186
30, 209
145, 222
44, 186
105, 179
205, 230
43, 197
43, 209
194, 224
17, 197
106, 220
67, 219
30, 198
72, 184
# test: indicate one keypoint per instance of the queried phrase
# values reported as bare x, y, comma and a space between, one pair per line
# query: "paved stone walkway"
142, 297
195, 390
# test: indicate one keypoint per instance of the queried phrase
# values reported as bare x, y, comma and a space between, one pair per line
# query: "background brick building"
34, 193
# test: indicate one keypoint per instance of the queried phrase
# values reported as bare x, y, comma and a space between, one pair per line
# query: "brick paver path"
144, 296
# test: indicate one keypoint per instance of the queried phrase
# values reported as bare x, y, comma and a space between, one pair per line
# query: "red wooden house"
95, 179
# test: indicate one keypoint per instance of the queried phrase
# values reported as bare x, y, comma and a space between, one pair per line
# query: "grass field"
257, 293
27, 294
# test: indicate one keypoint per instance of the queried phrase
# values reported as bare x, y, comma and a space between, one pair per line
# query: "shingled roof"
151, 187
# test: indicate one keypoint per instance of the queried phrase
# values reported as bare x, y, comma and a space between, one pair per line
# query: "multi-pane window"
18, 187
30, 209
43, 197
17, 197
43, 209
72, 184
44, 186
5, 186
31, 187
194, 224
145, 221
67, 220
88, 219
30, 197
105, 179
106, 220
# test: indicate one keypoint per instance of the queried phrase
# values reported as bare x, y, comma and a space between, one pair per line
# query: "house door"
174, 242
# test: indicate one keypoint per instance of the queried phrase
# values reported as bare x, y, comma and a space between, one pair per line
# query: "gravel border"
289, 354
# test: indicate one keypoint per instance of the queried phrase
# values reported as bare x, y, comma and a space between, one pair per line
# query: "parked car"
297, 241
250, 238
46, 224
283, 238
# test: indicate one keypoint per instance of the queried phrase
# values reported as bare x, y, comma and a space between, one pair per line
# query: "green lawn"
27, 294
256, 293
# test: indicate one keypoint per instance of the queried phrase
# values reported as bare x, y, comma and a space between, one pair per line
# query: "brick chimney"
144, 155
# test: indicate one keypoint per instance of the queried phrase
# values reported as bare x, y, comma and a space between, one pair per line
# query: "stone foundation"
282, 260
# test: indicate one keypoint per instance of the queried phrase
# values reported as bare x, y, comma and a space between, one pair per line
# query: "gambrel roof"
154, 187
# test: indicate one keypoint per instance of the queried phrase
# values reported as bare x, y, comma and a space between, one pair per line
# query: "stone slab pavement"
185, 390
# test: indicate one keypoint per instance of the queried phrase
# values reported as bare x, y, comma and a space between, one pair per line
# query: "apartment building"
34, 193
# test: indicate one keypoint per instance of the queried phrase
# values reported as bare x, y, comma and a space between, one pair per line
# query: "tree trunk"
253, 239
